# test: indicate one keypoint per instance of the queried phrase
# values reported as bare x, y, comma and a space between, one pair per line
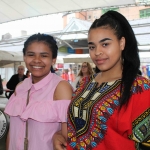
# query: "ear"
54, 61
122, 43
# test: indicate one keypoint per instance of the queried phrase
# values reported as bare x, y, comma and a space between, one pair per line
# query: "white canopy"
11, 10
77, 58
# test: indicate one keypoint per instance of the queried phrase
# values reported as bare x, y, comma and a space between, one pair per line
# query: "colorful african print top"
96, 123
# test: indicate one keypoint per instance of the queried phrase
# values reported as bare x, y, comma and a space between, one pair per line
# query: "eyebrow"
40, 53
103, 40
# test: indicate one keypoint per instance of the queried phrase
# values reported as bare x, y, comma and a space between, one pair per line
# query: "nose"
37, 58
98, 52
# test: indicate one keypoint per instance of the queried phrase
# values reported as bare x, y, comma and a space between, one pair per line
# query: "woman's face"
38, 59
105, 49
84, 68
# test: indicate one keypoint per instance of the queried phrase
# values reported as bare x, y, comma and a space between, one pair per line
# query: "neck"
110, 75
85, 75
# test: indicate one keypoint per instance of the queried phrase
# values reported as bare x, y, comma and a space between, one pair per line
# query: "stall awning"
11, 10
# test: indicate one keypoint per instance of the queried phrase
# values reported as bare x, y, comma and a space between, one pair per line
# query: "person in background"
27, 73
113, 111
1, 86
52, 69
38, 108
144, 72
15, 79
71, 75
83, 76
65, 75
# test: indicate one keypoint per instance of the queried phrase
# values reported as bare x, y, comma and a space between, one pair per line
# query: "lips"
101, 61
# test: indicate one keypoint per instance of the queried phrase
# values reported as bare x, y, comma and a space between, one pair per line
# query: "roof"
11, 10
75, 36
75, 33
141, 28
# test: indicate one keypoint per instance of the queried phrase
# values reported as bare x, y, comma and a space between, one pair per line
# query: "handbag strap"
26, 130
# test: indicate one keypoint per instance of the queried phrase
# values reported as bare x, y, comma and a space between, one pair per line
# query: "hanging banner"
63, 50
79, 51
71, 51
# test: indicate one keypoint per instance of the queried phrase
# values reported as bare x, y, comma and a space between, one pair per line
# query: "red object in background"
79, 51
60, 65
71, 77
65, 76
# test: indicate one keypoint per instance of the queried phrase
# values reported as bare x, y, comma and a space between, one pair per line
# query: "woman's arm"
59, 142
64, 130
63, 92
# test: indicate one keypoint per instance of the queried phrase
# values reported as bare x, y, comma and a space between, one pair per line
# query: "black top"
14, 80
1, 86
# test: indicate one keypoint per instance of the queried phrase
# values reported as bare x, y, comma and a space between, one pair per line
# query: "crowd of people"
104, 109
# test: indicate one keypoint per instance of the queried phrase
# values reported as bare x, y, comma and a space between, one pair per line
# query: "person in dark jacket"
1, 86
15, 79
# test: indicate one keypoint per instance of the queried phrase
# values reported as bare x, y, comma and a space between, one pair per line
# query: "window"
89, 17
104, 10
145, 13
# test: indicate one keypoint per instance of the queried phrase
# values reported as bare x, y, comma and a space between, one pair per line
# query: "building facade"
131, 13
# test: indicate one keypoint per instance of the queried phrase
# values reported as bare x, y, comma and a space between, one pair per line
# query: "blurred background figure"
84, 75
1, 86
65, 75
27, 73
14, 80
71, 76
52, 69
144, 72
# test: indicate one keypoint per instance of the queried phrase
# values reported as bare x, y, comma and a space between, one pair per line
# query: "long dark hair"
130, 56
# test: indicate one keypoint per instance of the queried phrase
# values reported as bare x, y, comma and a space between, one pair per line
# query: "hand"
59, 142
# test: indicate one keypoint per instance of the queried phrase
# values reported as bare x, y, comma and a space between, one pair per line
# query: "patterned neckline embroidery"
96, 101
88, 126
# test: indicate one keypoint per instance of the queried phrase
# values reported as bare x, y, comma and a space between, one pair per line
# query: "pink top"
43, 114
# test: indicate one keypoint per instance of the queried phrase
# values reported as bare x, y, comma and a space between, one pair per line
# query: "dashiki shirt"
96, 123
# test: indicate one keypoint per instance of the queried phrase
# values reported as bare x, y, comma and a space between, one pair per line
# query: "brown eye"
44, 55
91, 47
105, 44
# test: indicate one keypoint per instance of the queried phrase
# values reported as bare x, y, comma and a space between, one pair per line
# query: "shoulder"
24, 76
23, 85
64, 85
142, 82
140, 99
63, 90
17, 86
15, 76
